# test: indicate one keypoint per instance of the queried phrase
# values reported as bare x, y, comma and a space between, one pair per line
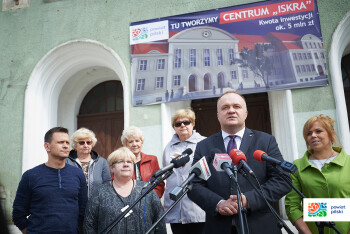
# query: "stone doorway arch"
57, 86
340, 46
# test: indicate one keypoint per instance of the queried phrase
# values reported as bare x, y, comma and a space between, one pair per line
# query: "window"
299, 56
177, 80
303, 68
312, 67
140, 84
301, 80
160, 64
304, 56
295, 56
206, 57
219, 57
231, 56
315, 45
159, 82
306, 79
234, 75
322, 55
193, 57
143, 65
308, 69
245, 74
319, 45
309, 56
306, 45
298, 69
177, 59
316, 55
310, 44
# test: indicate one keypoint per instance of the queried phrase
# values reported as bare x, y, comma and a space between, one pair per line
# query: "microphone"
286, 166
239, 159
200, 170
179, 161
222, 162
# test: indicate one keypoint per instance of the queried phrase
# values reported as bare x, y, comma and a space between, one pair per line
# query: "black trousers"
188, 228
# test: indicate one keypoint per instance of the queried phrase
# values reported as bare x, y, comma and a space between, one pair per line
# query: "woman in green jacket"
323, 172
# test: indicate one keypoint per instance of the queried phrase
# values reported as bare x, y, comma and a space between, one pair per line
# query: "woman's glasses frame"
85, 142
185, 122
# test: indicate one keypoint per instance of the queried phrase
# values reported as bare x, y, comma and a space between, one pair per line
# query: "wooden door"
102, 112
258, 114
107, 127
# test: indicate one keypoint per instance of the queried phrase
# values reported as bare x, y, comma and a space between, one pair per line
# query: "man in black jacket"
217, 195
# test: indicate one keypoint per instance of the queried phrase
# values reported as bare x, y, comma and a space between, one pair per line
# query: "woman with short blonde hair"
112, 198
186, 216
323, 172
145, 165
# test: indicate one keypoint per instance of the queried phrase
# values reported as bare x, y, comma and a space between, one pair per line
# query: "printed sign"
326, 209
251, 48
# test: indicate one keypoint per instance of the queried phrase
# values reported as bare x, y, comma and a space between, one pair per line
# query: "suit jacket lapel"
246, 140
219, 142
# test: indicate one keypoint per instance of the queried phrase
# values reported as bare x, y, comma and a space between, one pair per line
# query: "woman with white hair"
145, 165
94, 166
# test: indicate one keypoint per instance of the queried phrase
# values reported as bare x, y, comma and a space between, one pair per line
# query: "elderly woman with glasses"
186, 216
94, 166
145, 165
114, 197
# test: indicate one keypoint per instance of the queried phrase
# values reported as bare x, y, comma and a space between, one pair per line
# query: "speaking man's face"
232, 112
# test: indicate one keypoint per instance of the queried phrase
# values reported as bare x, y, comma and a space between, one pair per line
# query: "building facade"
54, 52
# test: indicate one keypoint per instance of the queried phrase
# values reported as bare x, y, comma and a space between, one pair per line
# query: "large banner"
250, 48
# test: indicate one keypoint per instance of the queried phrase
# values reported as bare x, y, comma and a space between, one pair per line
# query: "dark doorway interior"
102, 112
258, 114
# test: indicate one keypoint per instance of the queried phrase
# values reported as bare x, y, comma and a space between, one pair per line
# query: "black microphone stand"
320, 225
186, 190
281, 223
154, 184
241, 211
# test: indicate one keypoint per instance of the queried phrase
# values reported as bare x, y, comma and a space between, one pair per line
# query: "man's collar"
240, 133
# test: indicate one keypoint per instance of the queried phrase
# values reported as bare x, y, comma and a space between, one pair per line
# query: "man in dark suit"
216, 196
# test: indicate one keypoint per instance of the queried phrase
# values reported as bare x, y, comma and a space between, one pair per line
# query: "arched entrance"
221, 80
207, 81
102, 112
57, 86
340, 46
192, 83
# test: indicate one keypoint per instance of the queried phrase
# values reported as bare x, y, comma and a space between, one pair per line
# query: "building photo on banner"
249, 48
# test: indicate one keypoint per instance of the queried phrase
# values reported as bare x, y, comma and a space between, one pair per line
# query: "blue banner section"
250, 48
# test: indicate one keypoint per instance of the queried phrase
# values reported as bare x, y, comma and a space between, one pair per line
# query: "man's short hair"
48, 134
227, 92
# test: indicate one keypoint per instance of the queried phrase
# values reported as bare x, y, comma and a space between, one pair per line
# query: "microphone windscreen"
258, 154
196, 171
187, 151
237, 155
180, 160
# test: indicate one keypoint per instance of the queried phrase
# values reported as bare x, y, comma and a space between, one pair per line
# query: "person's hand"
301, 226
227, 207
243, 198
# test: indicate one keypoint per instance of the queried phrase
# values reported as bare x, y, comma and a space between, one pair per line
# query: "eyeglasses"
185, 122
123, 162
83, 142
